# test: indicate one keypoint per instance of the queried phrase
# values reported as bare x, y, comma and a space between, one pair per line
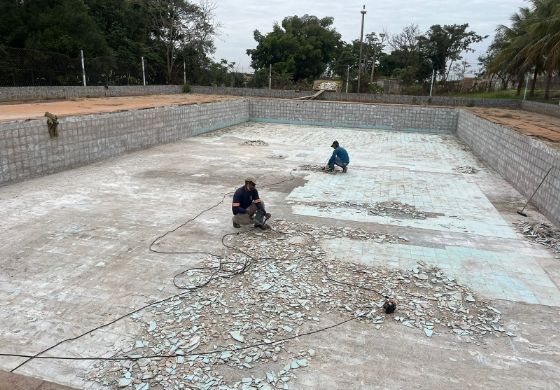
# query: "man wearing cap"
339, 157
247, 207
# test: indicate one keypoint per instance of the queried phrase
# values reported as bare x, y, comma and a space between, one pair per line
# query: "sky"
238, 20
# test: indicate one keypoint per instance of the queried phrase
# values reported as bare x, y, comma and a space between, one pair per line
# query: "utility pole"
83, 68
184, 73
270, 76
363, 12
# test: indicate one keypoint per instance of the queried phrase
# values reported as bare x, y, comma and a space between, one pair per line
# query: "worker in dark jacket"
247, 207
339, 157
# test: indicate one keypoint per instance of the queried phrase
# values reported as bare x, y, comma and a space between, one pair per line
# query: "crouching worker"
247, 207
339, 157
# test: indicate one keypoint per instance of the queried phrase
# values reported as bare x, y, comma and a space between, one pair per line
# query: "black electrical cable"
134, 358
31, 357
218, 271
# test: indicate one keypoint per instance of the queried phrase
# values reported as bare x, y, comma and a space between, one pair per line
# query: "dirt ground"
536, 125
61, 108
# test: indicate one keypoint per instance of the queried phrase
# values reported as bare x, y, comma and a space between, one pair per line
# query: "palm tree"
532, 43
545, 33
509, 42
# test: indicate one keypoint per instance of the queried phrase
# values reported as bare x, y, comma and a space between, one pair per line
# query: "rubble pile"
397, 209
467, 169
394, 209
257, 142
242, 332
542, 233
311, 167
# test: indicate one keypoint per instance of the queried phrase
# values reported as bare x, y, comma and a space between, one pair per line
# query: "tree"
489, 63
530, 44
406, 62
178, 25
114, 34
301, 47
544, 30
406, 44
507, 44
374, 48
444, 45
63, 26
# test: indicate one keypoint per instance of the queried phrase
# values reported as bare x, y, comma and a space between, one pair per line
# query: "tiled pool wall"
360, 97
523, 161
384, 117
26, 150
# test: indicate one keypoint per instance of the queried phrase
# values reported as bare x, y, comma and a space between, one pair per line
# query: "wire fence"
24, 68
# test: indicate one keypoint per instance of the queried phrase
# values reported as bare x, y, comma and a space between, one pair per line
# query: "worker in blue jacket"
247, 207
339, 157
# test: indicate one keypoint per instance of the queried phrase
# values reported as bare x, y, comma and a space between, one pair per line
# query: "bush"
375, 88
186, 88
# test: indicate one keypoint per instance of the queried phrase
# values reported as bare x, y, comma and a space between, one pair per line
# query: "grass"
510, 94
505, 94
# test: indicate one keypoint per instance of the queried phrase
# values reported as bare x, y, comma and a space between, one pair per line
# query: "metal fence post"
432, 83
526, 85
83, 68
347, 77
143, 72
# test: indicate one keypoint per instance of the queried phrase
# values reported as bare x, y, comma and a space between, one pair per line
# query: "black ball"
390, 306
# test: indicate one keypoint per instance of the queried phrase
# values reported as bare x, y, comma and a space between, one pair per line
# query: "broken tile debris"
467, 169
257, 142
311, 167
238, 333
393, 209
541, 233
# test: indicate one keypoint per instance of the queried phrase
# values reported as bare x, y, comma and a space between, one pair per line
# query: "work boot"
345, 169
259, 219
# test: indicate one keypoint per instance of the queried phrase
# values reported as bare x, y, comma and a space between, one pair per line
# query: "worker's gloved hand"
268, 215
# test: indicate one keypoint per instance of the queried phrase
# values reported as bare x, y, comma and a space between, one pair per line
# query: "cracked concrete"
75, 252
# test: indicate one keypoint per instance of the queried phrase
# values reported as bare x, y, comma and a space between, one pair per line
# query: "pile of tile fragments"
394, 209
242, 332
311, 167
542, 233
467, 169
257, 142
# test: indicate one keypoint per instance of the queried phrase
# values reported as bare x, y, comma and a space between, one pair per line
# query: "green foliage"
300, 48
65, 27
186, 88
374, 88
114, 35
531, 44
443, 45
